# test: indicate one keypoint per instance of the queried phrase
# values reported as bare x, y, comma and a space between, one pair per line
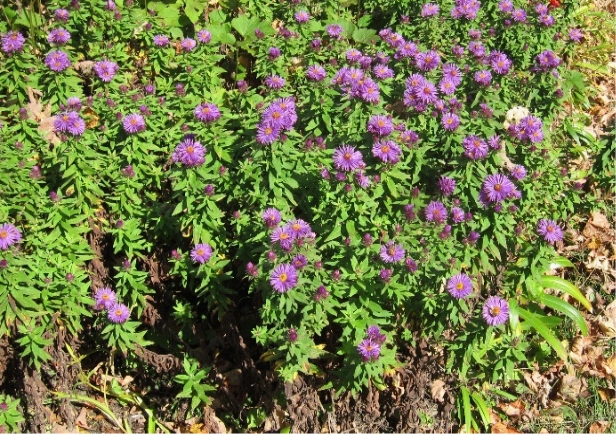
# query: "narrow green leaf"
483, 409
567, 309
545, 332
466, 405
557, 283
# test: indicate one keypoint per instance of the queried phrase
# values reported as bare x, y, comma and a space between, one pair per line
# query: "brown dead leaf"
608, 365
607, 321
85, 66
196, 428
503, 428
607, 394
600, 426
598, 227
513, 409
570, 388
544, 430
82, 419
438, 390
91, 118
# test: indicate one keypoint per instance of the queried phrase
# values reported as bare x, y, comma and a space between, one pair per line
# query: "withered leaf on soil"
607, 321
607, 394
437, 389
41, 116
503, 428
570, 388
599, 427
513, 409
608, 365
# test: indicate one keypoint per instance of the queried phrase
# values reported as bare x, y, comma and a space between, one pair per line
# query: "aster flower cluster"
295, 231
370, 347
12, 42
528, 129
106, 299
466, 9
546, 61
278, 117
69, 122
356, 83
105, 70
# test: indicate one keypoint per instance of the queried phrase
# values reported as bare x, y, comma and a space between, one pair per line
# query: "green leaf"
545, 332
483, 409
562, 262
567, 309
364, 36
557, 283
334, 234
466, 407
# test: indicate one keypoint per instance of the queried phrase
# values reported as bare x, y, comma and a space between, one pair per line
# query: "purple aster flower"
408, 49
477, 49
316, 73
283, 236
61, 15
104, 299
283, 278
436, 212
57, 61
118, 313
387, 151
9, 235
457, 215
575, 35
385, 275
274, 82
426, 92
427, 61
541, 9
105, 70
347, 159
494, 142
474, 33
365, 62
73, 103
457, 50
272, 217
447, 185
204, 36
460, 286
411, 265
12, 42
547, 20
380, 125
483, 77
409, 137
497, 187
188, 44
207, 112
369, 91
369, 350
550, 231
69, 122
274, 53
299, 262
321, 293
519, 15
518, 172
474, 147
450, 121
500, 63
133, 123
353, 55
447, 86
160, 40
382, 72
362, 179
429, 10
302, 17
392, 253
547, 60
58, 36
334, 30
189, 152
495, 311
267, 134
505, 6
201, 253
299, 228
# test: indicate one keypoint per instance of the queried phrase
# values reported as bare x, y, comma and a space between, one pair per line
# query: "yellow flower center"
498, 187
495, 311
4, 234
283, 277
190, 149
459, 286
385, 149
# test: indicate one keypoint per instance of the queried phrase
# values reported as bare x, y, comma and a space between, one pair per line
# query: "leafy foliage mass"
357, 176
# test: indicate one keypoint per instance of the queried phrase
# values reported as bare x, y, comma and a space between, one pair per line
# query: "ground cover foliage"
268, 216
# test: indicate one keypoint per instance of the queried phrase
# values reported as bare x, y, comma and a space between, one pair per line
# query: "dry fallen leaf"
608, 365
513, 409
607, 394
503, 428
570, 388
438, 391
607, 321
82, 420
544, 430
599, 427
